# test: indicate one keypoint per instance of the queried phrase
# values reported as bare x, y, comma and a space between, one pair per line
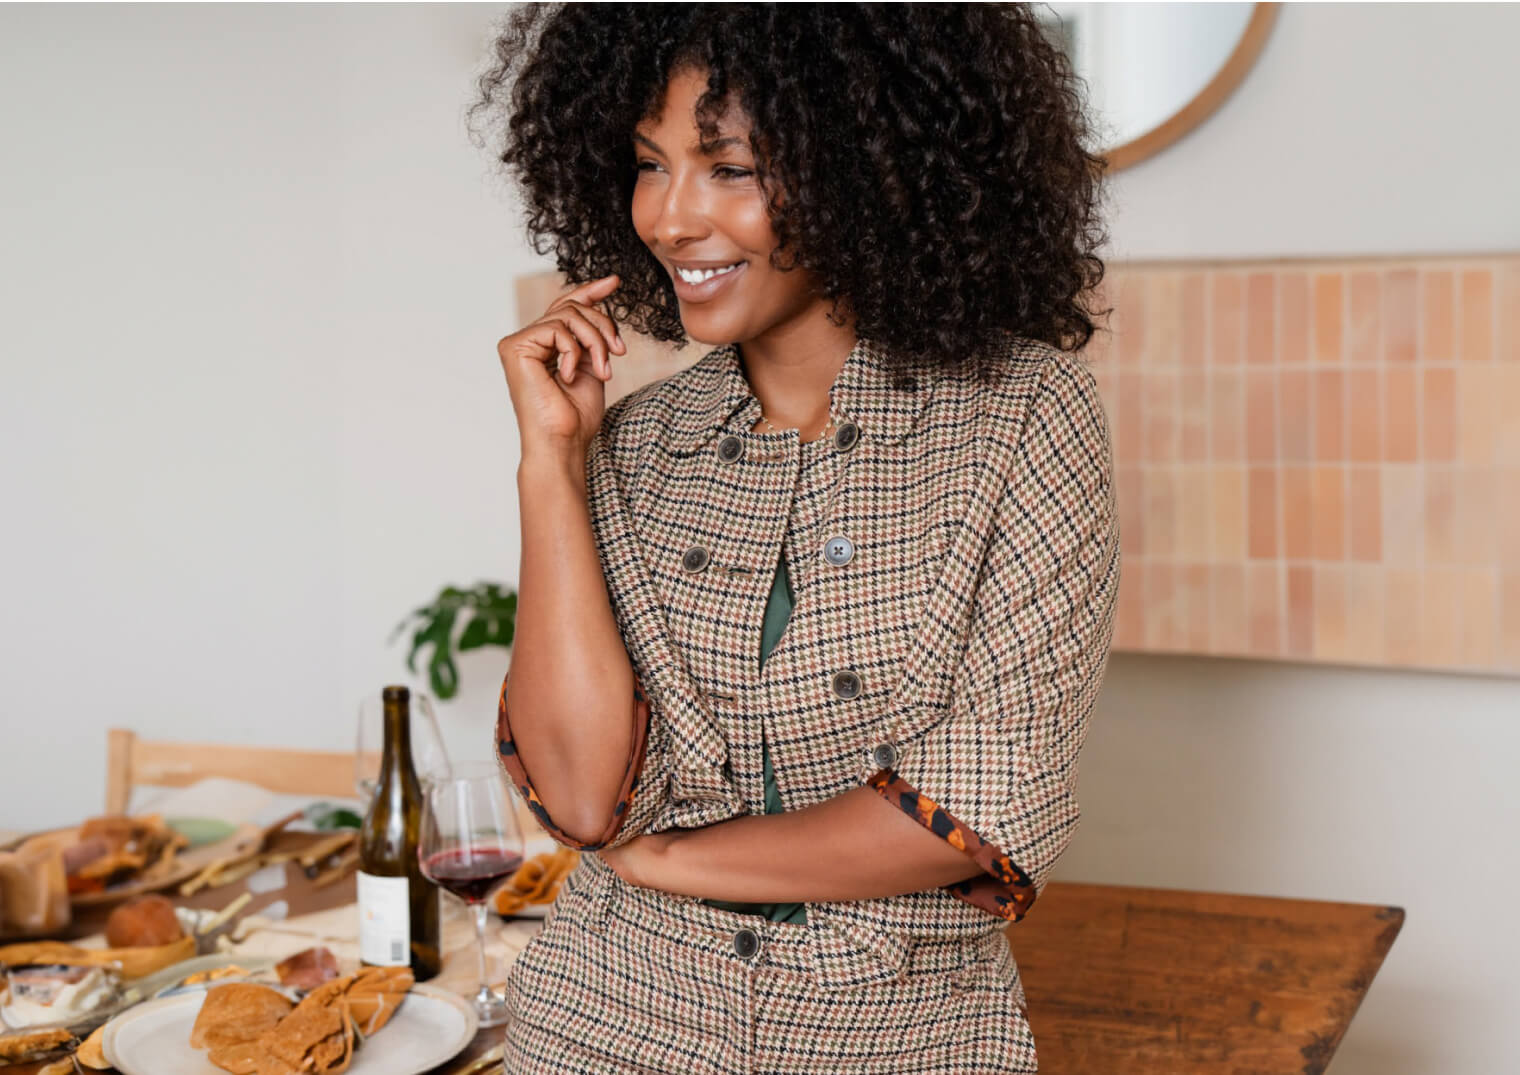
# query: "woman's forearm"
854, 846
570, 685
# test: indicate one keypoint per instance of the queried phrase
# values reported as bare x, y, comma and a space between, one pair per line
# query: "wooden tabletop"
1134, 980
1148, 980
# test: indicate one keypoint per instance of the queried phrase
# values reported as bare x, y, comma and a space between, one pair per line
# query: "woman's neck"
791, 370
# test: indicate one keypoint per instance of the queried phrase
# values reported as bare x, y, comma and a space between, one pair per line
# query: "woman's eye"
728, 171
644, 166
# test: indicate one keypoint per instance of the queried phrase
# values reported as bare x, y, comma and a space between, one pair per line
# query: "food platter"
431, 1027
241, 842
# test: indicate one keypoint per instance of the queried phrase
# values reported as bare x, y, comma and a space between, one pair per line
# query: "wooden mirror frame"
1208, 99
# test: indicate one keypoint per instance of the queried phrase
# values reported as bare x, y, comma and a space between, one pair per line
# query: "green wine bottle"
398, 906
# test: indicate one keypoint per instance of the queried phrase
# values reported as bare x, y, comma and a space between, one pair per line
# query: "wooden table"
1138, 981
1147, 980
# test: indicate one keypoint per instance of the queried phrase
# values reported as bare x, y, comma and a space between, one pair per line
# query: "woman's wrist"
551, 464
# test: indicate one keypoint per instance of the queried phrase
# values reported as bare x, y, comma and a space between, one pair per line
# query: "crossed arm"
854, 846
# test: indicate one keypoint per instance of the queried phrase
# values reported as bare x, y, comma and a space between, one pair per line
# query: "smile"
702, 285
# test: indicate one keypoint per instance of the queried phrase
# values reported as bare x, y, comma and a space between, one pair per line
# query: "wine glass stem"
479, 907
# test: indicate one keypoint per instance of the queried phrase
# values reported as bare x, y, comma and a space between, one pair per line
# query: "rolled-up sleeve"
638, 798
996, 775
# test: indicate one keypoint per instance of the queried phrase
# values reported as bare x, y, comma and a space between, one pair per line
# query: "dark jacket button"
696, 559
846, 436
846, 684
746, 943
730, 448
838, 550
884, 755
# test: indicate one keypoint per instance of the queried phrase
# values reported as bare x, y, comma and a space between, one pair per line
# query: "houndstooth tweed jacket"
955, 552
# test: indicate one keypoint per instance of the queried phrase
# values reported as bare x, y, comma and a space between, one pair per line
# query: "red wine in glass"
469, 843
471, 872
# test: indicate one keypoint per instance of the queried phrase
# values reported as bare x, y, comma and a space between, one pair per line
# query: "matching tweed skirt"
626, 979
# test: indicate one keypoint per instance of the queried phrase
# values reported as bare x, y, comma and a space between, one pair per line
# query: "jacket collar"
720, 399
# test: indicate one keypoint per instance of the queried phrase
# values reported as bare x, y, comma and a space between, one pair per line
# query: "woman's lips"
708, 289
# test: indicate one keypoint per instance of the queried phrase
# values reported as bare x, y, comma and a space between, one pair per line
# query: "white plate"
431, 1026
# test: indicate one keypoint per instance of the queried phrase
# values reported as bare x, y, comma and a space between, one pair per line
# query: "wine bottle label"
384, 920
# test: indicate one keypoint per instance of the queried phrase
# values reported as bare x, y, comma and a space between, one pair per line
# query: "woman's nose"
683, 216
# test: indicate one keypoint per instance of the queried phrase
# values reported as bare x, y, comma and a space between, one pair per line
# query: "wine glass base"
492, 1011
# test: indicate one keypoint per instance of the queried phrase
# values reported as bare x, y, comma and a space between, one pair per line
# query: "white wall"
251, 414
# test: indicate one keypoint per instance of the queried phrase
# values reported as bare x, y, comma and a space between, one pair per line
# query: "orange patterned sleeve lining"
1002, 889
506, 754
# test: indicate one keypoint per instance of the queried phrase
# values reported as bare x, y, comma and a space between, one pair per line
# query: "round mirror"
1155, 71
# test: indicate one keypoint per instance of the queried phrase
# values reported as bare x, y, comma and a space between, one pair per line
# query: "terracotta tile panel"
1160, 527
1440, 516
1365, 639
1195, 608
1194, 514
1364, 337
1129, 437
1404, 611
1400, 299
1261, 416
1295, 416
1300, 635
1478, 407
1476, 328
1438, 406
1261, 318
1229, 305
1261, 513
1329, 513
1507, 516
1403, 515
1507, 292
1193, 416
1129, 482
1440, 617
1227, 584
1477, 617
1329, 415
1227, 431
1194, 327
1264, 609
1401, 429
1129, 616
1437, 311
1159, 417
1163, 320
1506, 382
1130, 309
1329, 316
1229, 503
1476, 492
1364, 514
1298, 513
1364, 416
1293, 298
1331, 628
1508, 642
1163, 616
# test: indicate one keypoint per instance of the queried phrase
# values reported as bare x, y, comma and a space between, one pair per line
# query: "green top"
778, 609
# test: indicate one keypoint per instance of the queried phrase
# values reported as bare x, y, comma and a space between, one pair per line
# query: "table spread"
1139, 980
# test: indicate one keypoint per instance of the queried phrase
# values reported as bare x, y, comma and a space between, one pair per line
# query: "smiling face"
703, 210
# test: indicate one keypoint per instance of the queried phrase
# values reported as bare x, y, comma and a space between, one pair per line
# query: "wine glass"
429, 757
470, 842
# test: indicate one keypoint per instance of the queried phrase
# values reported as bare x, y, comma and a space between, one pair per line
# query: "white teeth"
704, 274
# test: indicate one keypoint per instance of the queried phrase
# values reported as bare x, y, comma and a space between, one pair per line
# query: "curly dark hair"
925, 161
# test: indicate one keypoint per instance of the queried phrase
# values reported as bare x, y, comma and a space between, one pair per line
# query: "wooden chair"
131, 761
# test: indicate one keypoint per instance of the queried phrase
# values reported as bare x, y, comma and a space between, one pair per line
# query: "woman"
804, 837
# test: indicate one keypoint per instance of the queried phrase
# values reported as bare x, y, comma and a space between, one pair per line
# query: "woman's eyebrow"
709, 148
